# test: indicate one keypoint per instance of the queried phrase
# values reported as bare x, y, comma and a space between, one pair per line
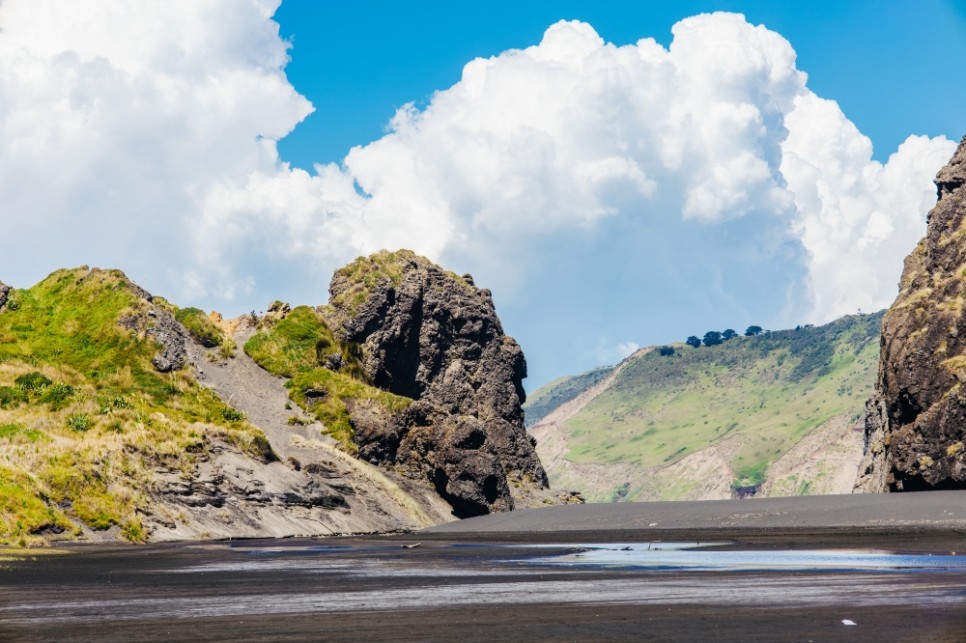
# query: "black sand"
477, 581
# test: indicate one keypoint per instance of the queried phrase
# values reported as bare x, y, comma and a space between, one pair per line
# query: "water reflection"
694, 556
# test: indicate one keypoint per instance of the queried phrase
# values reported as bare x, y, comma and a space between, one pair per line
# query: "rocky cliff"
915, 425
434, 337
117, 421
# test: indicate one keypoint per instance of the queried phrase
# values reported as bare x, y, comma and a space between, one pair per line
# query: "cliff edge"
915, 425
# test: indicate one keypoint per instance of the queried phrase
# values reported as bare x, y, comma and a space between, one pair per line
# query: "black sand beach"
782, 570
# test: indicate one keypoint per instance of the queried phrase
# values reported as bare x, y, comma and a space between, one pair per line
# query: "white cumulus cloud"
599, 190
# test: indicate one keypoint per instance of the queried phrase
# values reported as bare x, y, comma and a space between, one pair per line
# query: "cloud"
118, 119
599, 190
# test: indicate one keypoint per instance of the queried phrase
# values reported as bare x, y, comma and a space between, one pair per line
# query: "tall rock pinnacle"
916, 422
435, 337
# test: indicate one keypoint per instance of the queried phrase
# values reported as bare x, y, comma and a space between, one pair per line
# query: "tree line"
713, 337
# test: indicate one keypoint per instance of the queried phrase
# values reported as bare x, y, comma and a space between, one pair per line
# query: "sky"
618, 174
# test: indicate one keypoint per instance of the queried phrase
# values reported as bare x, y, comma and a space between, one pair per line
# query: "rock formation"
916, 422
433, 336
4, 292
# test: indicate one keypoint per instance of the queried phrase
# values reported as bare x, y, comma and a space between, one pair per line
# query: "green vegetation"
750, 476
13, 433
84, 416
331, 396
200, 326
365, 273
301, 346
560, 391
712, 338
301, 342
620, 492
759, 395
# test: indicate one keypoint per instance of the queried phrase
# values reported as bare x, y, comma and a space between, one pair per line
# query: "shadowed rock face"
433, 336
916, 423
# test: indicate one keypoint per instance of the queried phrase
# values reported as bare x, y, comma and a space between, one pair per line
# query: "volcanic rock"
915, 425
435, 337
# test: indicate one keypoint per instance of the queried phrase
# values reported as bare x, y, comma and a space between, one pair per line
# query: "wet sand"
496, 581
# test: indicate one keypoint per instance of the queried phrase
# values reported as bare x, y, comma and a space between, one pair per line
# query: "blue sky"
618, 174
886, 63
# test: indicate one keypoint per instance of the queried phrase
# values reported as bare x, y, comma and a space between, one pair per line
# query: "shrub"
232, 415
133, 531
11, 397
57, 395
79, 422
227, 349
33, 382
666, 351
620, 492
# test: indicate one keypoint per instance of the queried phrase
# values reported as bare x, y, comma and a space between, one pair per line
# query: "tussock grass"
200, 326
300, 342
93, 421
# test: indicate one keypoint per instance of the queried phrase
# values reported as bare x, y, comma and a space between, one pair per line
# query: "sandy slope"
310, 464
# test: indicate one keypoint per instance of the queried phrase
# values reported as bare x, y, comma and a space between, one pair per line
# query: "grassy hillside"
560, 391
757, 397
84, 416
327, 378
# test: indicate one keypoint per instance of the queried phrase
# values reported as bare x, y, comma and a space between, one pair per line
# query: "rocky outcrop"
432, 336
915, 426
155, 320
172, 337
4, 293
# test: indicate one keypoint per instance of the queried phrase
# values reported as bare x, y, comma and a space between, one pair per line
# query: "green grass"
300, 342
297, 347
22, 513
761, 394
200, 326
329, 397
18, 432
84, 416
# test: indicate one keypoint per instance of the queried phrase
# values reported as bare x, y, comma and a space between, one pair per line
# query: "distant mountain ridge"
774, 414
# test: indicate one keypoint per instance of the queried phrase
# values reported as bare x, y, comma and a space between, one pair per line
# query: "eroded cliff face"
432, 336
916, 423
